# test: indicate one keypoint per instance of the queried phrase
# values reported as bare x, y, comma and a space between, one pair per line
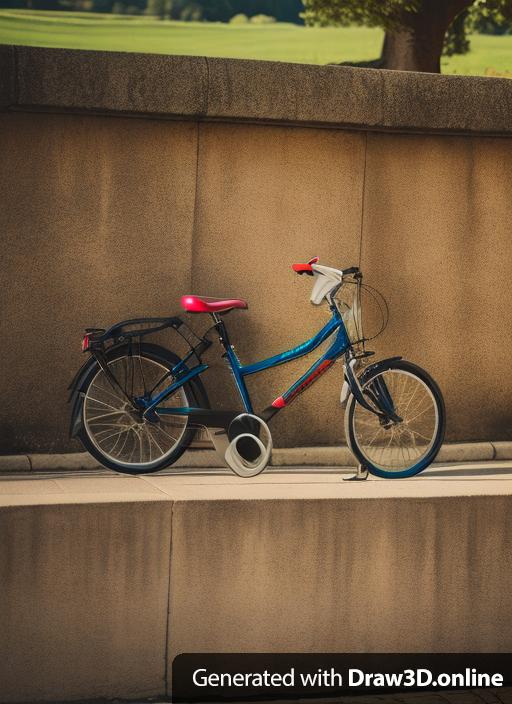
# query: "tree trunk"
418, 44
405, 51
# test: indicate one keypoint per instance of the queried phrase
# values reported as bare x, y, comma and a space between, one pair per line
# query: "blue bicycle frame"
338, 347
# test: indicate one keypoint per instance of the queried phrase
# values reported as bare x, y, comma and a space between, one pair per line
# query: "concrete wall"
96, 225
102, 586
86, 591
332, 576
107, 215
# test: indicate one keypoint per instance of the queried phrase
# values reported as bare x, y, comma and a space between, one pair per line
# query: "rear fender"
76, 395
76, 414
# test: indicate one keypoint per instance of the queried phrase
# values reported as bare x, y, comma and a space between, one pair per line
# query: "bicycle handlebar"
308, 269
351, 270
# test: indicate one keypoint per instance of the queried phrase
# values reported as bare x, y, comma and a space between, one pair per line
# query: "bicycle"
137, 405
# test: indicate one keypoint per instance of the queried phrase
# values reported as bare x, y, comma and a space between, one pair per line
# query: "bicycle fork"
381, 403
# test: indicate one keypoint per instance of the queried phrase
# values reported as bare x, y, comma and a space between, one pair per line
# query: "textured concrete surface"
174, 86
461, 479
271, 195
97, 598
144, 83
107, 218
395, 575
96, 225
8, 77
445, 268
503, 695
289, 457
85, 593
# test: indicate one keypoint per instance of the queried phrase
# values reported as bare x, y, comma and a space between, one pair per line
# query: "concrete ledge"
281, 457
16, 463
105, 579
8, 76
502, 449
256, 91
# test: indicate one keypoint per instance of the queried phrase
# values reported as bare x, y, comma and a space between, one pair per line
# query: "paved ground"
469, 479
477, 478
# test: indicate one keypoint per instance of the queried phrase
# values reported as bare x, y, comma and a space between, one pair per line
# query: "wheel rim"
403, 445
117, 431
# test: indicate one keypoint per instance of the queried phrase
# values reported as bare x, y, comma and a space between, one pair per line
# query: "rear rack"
128, 330
121, 331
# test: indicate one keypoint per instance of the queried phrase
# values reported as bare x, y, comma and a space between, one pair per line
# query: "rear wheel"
114, 429
406, 445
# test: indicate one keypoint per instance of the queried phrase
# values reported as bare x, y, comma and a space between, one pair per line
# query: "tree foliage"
456, 40
207, 10
388, 15
416, 31
490, 16
393, 14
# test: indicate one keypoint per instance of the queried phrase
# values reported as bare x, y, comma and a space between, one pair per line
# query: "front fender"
381, 365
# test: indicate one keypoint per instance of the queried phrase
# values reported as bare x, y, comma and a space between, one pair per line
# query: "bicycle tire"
166, 360
363, 455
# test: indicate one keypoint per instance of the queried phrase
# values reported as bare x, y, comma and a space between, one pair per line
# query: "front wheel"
406, 445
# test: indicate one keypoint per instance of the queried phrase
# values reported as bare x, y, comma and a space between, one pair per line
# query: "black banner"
224, 677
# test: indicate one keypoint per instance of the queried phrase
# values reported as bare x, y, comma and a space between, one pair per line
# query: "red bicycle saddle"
205, 304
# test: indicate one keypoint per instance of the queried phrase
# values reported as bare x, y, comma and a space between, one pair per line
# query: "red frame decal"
285, 399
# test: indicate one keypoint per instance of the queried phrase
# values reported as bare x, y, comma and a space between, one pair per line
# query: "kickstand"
360, 475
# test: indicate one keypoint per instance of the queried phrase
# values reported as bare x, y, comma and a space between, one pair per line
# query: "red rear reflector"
85, 343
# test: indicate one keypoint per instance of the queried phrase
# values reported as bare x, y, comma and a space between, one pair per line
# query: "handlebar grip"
302, 269
351, 270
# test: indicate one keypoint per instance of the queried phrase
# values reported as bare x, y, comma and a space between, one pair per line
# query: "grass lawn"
279, 42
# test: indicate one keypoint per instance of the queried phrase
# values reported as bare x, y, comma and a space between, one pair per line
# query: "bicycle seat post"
220, 326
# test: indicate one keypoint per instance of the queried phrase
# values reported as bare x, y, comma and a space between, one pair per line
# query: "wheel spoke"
400, 445
427, 408
123, 445
103, 390
113, 435
163, 431
102, 403
151, 437
119, 432
109, 426
107, 415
